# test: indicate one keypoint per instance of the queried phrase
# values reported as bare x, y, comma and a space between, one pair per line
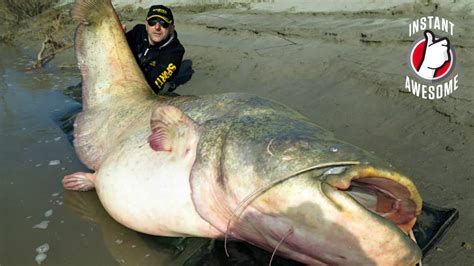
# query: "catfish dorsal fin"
109, 70
172, 131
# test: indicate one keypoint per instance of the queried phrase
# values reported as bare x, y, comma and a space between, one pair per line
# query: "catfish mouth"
387, 194
386, 198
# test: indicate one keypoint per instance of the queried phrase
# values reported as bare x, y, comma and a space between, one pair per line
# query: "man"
157, 49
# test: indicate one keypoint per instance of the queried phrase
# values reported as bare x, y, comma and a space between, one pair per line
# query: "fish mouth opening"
386, 198
385, 193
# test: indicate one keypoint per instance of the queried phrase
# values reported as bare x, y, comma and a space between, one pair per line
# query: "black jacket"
160, 62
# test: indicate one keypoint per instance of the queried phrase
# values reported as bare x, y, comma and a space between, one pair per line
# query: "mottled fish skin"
247, 142
235, 144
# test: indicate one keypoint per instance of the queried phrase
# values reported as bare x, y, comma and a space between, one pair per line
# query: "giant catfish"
229, 166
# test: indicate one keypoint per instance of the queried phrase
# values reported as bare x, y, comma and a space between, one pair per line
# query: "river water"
35, 154
44, 224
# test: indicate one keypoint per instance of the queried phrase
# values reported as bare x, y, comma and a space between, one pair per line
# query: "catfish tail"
112, 82
109, 71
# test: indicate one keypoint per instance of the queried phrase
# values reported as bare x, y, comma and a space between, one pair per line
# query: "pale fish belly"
147, 192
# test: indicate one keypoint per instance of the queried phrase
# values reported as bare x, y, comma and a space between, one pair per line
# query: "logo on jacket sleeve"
165, 75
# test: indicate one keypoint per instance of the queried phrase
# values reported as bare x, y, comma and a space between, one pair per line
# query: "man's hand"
124, 27
436, 54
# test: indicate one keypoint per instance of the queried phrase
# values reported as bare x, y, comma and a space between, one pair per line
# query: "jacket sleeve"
163, 69
132, 36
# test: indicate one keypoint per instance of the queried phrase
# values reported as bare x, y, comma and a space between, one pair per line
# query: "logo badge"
431, 59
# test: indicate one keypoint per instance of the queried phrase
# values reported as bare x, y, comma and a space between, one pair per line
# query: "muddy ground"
344, 70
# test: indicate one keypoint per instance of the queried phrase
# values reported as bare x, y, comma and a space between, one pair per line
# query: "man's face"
159, 31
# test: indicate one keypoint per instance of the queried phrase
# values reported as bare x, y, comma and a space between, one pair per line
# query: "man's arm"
131, 36
160, 71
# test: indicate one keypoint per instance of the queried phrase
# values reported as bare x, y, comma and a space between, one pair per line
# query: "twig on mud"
57, 22
269, 147
43, 57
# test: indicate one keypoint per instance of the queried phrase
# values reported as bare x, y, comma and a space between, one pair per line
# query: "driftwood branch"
49, 49
41, 59
57, 22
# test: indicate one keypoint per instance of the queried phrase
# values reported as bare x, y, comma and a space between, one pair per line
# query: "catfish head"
266, 175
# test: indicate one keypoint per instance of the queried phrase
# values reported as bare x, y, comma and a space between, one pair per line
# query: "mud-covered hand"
436, 54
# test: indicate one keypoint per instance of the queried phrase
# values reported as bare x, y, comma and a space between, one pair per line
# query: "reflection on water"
131, 248
43, 224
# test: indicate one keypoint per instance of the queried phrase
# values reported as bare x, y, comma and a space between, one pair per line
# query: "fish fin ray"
79, 181
172, 131
87, 11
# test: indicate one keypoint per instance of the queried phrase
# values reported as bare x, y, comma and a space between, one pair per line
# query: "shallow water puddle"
36, 227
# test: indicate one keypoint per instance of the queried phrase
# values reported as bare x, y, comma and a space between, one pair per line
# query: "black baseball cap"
161, 12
